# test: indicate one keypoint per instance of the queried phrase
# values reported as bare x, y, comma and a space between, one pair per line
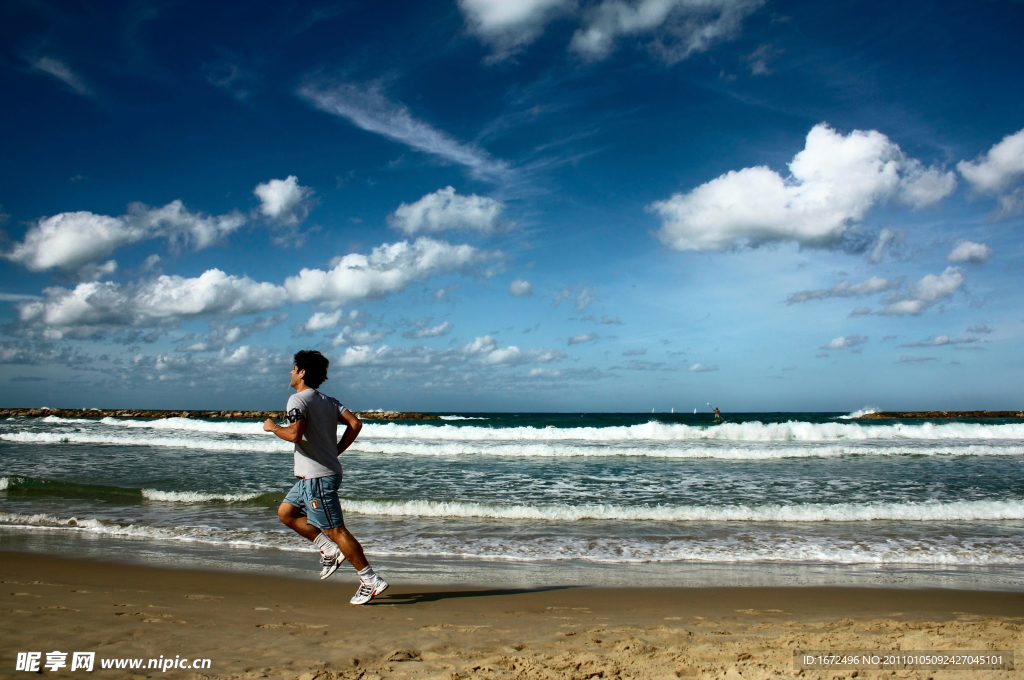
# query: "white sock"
326, 545
368, 575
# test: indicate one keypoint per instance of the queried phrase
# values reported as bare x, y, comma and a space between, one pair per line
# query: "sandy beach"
253, 626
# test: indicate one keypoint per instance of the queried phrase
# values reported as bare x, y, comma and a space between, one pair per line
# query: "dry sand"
255, 626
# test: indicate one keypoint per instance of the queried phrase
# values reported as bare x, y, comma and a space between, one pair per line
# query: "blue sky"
531, 205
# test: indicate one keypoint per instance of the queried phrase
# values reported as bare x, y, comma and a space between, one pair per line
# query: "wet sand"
253, 626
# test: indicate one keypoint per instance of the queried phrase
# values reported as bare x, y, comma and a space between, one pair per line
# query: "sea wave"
839, 512
201, 497
411, 445
258, 445
652, 431
21, 485
770, 546
753, 431
860, 412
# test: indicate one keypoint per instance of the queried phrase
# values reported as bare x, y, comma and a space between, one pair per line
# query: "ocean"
596, 499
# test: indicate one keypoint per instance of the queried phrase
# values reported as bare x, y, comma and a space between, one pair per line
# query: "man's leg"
350, 547
293, 518
330, 555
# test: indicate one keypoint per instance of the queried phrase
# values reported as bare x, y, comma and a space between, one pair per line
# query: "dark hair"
314, 364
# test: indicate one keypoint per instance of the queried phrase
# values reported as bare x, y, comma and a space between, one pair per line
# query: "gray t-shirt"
316, 454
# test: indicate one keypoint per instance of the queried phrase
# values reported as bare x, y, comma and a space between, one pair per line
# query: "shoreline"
277, 627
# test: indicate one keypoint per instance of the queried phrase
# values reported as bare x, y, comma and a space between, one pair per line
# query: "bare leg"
350, 547
293, 518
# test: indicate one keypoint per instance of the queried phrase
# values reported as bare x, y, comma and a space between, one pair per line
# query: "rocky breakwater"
230, 415
931, 415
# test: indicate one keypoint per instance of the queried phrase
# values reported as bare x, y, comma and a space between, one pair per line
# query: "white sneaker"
331, 563
368, 591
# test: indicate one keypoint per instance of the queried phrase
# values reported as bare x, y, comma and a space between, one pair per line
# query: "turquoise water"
599, 494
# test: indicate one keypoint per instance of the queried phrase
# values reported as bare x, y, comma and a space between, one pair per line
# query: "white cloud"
242, 355
939, 341
833, 183
423, 331
980, 328
678, 28
845, 342
483, 351
926, 293
701, 368
875, 284
860, 311
284, 200
634, 353
997, 171
367, 108
72, 240
446, 210
905, 359
582, 338
321, 321
672, 30
62, 72
509, 25
520, 288
92, 307
968, 251
389, 268
487, 350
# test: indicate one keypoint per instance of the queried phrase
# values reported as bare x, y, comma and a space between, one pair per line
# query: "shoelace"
325, 560
364, 589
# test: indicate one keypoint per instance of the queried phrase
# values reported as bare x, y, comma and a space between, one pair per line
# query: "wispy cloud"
366, 107
875, 284
62, 72
939, 341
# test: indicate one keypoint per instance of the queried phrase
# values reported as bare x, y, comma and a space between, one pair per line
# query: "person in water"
312, 509
718, 415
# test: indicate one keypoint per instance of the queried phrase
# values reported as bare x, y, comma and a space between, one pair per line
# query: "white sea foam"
756, 546
190, 425
196, 496
753, 431
860, 412
554, 448
236, 537
462, 418
682, 450
258, 445
839, 512
4, 483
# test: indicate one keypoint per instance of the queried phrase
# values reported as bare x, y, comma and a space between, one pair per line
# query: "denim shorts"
318, 499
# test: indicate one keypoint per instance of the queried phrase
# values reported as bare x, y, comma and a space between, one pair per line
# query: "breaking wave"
841, 512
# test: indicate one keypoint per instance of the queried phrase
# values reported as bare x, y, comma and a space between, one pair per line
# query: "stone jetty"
941, 414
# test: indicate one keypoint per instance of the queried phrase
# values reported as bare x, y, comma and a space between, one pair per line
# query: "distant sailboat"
694, 411
673, 409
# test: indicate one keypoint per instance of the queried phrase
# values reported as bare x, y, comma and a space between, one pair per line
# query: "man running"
312, 508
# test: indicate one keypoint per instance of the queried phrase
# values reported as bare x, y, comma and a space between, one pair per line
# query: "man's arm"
293, 433
351, 431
